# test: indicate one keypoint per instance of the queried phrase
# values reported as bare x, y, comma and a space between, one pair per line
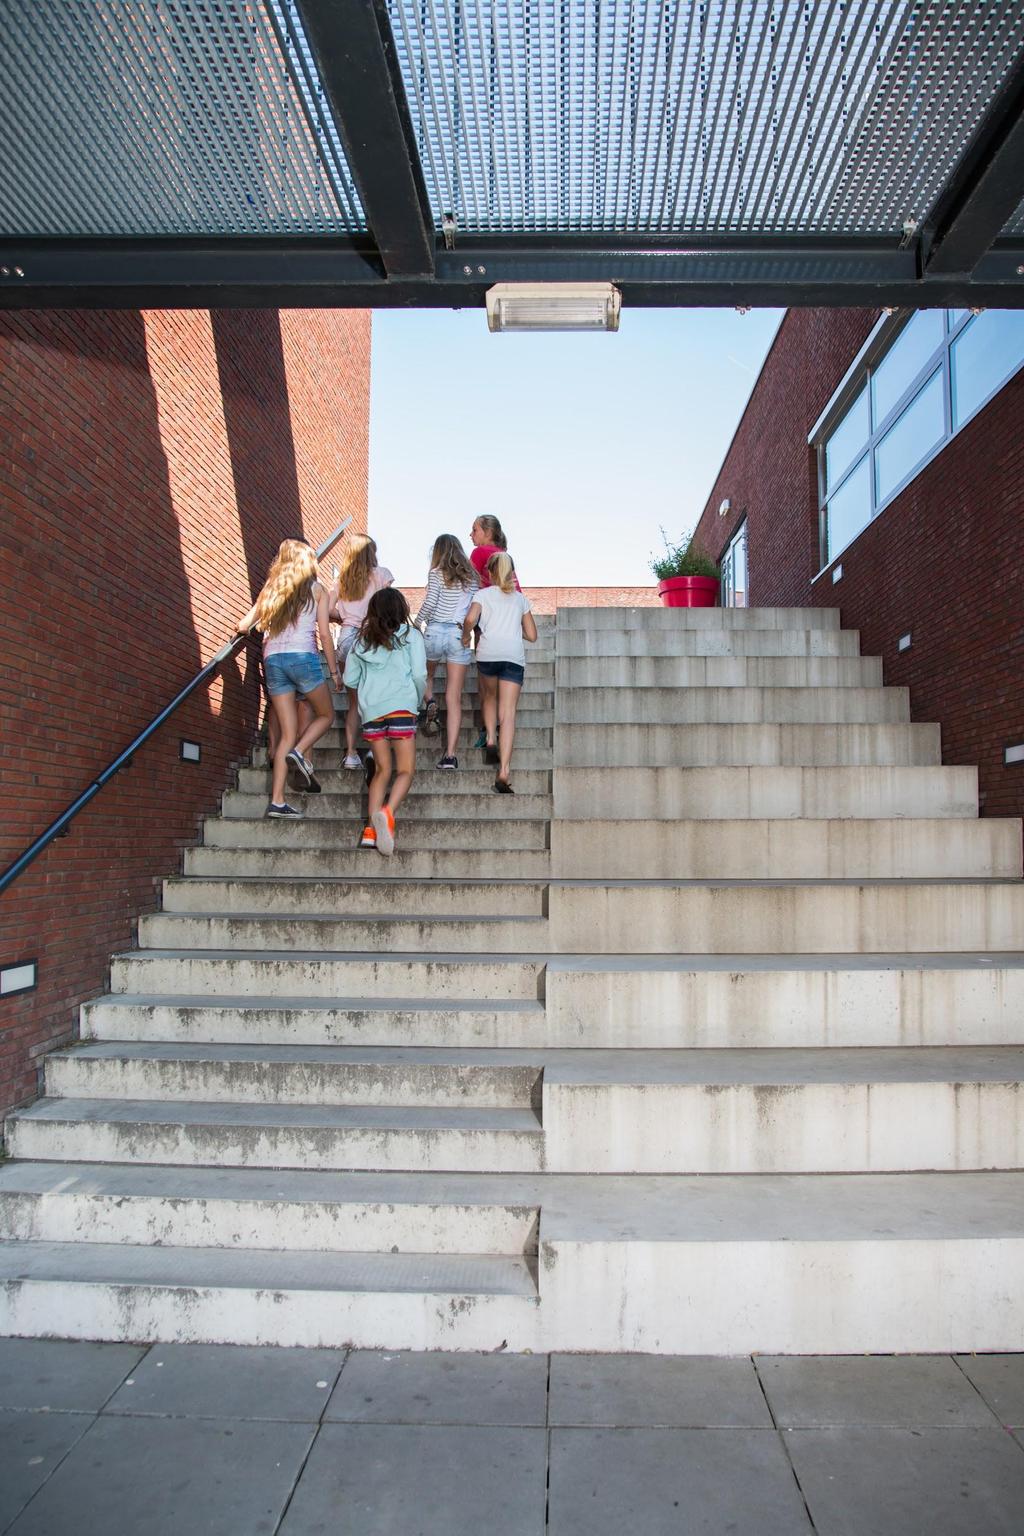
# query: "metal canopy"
413, 152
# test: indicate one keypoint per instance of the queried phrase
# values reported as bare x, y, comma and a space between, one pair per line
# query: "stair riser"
503, 936
719, 672
305, 976
297, 897
279, 1226
624, 644
802, 1128
732, 706
411, 835
297, 1026
325, 863
486, 806
655, 620
408, 1086
470, 782
750, 745
536, 713
270, 1146
532, 750
785, 850
779, 793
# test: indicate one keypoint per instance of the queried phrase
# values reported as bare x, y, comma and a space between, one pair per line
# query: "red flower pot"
688, 592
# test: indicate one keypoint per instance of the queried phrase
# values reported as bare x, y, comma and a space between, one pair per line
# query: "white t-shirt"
501, 625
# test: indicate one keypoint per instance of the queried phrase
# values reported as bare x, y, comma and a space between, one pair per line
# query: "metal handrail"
63, 821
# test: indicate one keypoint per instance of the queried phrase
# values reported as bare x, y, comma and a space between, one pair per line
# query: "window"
916, 383
734, 570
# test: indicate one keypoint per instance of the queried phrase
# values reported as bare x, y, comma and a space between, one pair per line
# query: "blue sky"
581, 444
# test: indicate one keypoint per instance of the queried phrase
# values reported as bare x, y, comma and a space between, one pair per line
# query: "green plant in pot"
687, 575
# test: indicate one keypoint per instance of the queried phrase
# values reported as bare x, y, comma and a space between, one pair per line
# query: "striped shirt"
445, 605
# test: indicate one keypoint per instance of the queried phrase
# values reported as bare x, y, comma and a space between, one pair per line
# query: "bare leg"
351, 723
322, 706
286, 715
431, 669
508, 701
453, 704
273, 729
379, 783
489, 707
405, 766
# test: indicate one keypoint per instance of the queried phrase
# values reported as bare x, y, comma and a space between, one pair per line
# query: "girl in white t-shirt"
358, 579
504, 619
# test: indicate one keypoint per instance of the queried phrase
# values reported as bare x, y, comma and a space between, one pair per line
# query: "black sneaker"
303, 772
285, 812
448, 762
369, 768
491, 754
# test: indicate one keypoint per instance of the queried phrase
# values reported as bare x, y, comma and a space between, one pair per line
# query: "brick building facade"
941, 562
150, 464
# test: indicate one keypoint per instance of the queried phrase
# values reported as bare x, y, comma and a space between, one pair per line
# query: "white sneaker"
352, 761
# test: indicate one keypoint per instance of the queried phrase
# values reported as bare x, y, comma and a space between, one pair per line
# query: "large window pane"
984, 354
904, 361
911, 436
849, 509
847, 440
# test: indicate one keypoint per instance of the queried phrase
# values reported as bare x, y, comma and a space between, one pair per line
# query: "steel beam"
355, 58
985, 189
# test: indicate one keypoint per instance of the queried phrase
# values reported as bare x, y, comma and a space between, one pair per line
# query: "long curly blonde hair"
449, 558
357, 566
288, 588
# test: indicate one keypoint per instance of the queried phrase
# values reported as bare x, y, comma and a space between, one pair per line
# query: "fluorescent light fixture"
18, 978
903, 643
190, 751
837, 574
1014, 754
553, 307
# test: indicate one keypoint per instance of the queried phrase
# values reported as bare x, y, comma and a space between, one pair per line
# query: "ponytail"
502, 572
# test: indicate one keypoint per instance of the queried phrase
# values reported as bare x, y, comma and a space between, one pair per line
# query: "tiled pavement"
100, 1439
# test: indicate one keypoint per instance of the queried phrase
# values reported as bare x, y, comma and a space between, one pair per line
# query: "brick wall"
547, 599
149, 465
943, 561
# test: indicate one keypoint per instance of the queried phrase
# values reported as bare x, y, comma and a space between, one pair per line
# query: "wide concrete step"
534, 720
732, 706
655, 620
785, 1111
720, 672
412, 833
209, 1295
486, 806
757, 849
706, 642
532, 750
328, 862
308, 897
326, 1136
284, 1210
748, 745
408, 1076
309, 1021
355, 930
284, 974
468, 782
639, 794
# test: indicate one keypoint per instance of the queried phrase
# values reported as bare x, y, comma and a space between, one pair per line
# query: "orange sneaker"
384, 826
368, 839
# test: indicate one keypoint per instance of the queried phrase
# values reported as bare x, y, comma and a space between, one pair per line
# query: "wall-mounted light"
553, 307
190, 751
903, 643
1014, 754
18, 978
837, 574
724, 506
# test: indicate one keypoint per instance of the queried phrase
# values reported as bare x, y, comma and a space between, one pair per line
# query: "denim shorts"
293, 672
504, 671
443, 642
346, 640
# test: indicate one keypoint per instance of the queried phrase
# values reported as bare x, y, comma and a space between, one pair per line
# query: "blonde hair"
288, 588
358, 564
502, 572
449, 558
491, 528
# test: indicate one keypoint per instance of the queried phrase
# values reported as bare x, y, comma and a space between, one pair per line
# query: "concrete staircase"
710, 1040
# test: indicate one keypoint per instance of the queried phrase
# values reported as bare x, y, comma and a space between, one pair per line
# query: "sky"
583, 445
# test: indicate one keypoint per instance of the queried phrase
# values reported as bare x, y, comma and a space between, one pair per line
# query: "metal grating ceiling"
841, 117
167, 117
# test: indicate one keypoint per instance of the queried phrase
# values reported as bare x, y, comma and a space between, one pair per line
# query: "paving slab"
63, 1375
864, 1481
672, 1482
32, 1446
224, 1381
163, 1477
407, 1387
657, 1390
841, 1390
420, 1480
1000, 1380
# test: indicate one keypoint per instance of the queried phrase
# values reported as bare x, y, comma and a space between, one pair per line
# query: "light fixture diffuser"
553, 307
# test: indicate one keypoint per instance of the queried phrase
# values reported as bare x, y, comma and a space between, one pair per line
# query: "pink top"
300, 636
352, 611
478, 558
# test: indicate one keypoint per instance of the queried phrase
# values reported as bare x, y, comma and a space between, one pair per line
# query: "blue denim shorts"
293, 672
504, 671
443, 642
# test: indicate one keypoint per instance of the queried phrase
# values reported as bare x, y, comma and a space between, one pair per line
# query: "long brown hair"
387, 612
492, 529
288, 588
357, 566
502, 572
449, 558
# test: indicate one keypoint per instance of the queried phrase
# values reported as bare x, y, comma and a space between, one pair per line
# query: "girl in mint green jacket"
387, 667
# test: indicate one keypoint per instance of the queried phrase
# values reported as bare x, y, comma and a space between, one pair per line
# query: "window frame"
882, 338
739, 534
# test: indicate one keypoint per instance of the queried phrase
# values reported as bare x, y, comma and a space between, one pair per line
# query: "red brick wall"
547, 599
943, 561
149, 465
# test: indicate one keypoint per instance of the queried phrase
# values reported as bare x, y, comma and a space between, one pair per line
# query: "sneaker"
448, 762
313, 786
384, 826
491, 754
286, 812
503, 787
368, 839
298, 766
369, 768
480, 742
352, 760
